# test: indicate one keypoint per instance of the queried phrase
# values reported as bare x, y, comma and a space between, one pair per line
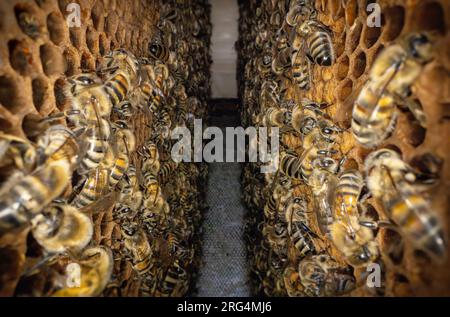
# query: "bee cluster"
91, 202
360, 186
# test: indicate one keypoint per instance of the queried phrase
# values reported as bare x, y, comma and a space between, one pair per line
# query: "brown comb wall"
37, 53
356, 46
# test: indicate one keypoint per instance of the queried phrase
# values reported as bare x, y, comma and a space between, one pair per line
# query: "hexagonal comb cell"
395, 17
39, 52
21, 57
429, 16
9, 93
27, 19
41, 91
56, 26
358, 45
359, 65
53, 62
370, 36
393, 246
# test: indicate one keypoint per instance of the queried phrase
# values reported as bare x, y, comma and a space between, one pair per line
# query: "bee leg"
364, 195
59, 115
78, 187
415, 108
44, 260
372, 224
340, 164
426, 173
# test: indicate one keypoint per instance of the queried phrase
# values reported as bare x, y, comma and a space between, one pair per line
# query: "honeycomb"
405, 271
38, 52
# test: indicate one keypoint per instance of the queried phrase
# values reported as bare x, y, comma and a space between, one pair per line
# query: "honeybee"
130, 195
321, 275
97, 143
276, 117
58, 143
301, 168
347, 193
300, 11
276, 235
151, 184
301, 70
17, 151
265, 64
93, 189
306, 115
89, 100
61, 227
158, 75
155, 205
119, 161
163, 124
301, 236
282, 60
318, 42
390, 80
158, 50
348, 234
394, 183
125, 109
176, 281
136, 242
323, 184
116, 164
167, 168
22, 197
120, 71
280, 192
150, 154
91, 108
96, 268
148, 89
290, 165
124, 137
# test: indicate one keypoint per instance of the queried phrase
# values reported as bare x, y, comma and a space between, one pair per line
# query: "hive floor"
224, 271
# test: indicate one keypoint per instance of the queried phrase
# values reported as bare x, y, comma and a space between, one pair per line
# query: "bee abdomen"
119, 169
117, 88
321, 49
373, 118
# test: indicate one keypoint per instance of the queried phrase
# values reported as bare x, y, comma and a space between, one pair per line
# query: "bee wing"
106, 202
99, 119
378, 85
309, 231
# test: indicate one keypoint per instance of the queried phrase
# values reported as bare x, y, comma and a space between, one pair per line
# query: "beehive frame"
357, 45
38, 51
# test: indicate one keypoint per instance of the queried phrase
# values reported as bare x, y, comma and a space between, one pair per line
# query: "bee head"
366, 253
85, 79
121, 124
421, 47
307, 125
129, 228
